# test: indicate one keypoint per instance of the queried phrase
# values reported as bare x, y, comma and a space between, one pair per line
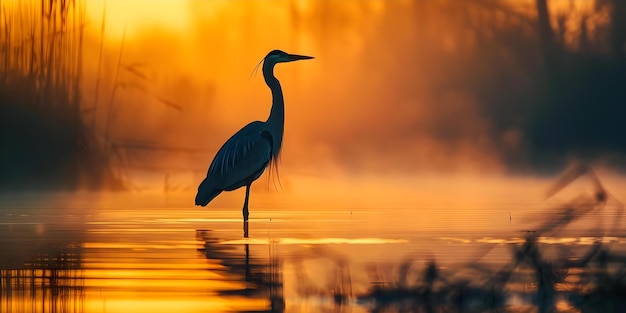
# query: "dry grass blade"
169, 103
135, 71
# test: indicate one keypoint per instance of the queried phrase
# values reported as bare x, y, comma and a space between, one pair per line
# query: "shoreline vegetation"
45, 140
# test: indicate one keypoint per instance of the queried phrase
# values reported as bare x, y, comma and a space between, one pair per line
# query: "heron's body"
244, 157
240, 161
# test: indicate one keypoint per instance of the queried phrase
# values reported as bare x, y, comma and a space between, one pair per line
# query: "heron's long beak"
296, 57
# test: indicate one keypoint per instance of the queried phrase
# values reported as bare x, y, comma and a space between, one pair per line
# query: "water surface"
73, 258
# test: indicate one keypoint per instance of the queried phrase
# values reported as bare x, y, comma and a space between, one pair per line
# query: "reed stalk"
47, 141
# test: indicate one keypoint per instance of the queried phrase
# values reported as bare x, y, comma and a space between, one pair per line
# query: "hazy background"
400, 95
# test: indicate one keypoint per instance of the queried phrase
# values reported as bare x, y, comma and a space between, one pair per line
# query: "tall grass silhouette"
43, 135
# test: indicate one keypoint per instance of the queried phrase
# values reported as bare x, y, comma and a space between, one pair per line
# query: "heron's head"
278, 56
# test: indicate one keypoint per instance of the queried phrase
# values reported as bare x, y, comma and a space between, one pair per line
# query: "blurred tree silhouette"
581, 113
546, 96
561, 98
503, 77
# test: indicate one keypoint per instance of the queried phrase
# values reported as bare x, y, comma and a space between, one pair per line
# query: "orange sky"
378, 101
211, 49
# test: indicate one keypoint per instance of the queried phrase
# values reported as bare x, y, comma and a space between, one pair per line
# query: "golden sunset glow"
463, 152
353, 115
384, 116
140, 15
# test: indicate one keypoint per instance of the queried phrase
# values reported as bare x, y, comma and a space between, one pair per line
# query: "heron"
244, 157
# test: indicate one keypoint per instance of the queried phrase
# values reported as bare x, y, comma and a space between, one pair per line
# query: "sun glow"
197, 55
134, 16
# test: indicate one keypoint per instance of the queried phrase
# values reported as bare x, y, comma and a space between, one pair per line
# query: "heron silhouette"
244, 157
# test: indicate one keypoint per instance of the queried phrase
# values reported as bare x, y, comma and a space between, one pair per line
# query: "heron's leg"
245, 204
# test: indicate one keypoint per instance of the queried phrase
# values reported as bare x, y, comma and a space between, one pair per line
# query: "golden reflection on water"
114, 268
162, 259
158, 271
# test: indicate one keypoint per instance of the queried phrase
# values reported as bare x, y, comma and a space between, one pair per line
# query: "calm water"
70, 258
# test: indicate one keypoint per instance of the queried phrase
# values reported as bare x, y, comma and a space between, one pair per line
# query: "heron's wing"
243, 156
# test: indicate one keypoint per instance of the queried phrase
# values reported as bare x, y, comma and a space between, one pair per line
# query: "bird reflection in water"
263, 276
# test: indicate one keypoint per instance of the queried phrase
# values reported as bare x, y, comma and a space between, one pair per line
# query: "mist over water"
396, 87
120, 252
453, 156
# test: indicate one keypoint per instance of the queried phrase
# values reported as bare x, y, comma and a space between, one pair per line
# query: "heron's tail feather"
206, 193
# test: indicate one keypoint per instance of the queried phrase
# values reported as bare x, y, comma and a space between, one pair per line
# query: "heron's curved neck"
276, 120
277, 114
